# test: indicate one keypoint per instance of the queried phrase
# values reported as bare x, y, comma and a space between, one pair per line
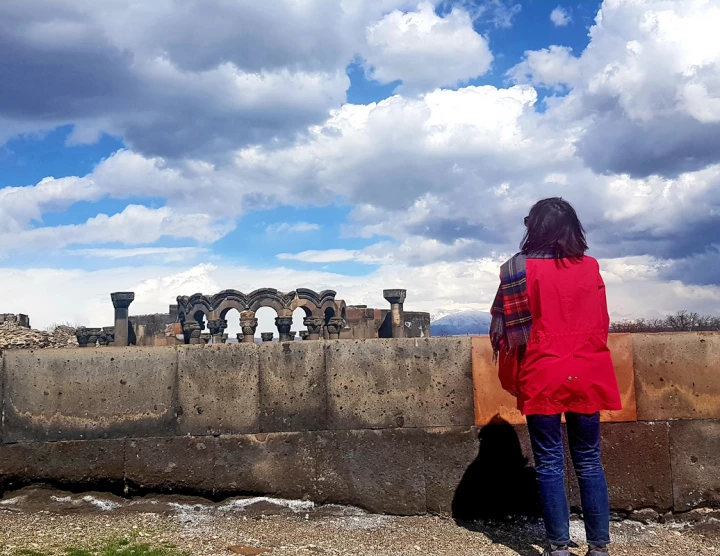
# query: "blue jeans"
584, 440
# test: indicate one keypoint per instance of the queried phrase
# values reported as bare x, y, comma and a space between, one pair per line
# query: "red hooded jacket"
567, 364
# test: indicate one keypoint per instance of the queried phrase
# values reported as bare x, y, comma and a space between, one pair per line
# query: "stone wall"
396, 426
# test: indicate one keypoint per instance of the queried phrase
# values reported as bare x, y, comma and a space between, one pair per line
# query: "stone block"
278, 464
621, 350
497, 481
379, 470
676, 375
293, 396
449, 452
74, 394
492, 401
399, 383
636, 457
179, 464
218, 389
89, 464
695, 453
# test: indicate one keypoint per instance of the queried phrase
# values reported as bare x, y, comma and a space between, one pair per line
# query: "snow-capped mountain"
460, 323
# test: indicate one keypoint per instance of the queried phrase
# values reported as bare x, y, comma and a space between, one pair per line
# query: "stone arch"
191, 306
270, 297
312, 302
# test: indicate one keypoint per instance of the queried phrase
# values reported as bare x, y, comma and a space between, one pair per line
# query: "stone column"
217, 330
314, 327
266, 336
248, 323
396, 298
283, 325
121, 302
334, 326
192, 330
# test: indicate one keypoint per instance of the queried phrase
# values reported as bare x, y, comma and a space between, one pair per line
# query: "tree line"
682, 321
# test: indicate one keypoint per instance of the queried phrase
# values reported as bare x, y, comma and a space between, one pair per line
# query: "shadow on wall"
498, 484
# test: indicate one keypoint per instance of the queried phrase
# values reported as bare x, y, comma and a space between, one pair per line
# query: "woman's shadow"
498, 485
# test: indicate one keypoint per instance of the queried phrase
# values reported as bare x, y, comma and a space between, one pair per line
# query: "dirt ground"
48, 521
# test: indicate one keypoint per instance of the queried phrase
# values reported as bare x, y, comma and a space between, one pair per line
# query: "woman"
549, 329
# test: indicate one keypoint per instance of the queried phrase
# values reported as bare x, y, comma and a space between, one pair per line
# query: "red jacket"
567, 364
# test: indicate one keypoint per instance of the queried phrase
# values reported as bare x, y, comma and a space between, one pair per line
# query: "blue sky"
398, 143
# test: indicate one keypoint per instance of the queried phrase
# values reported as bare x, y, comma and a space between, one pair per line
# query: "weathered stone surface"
492, 401
218, 389
396, 383
379, 470
676, 375
293, 396
183, 464
695, 452
90, 393
279, 464
92, 464
449, 453
621, 350
636, 457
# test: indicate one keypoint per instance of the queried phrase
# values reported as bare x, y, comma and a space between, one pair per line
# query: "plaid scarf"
511, 317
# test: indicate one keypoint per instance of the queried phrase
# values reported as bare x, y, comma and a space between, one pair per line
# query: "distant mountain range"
460, 323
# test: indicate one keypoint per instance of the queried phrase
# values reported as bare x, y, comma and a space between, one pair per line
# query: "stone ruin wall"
15, 333
201, 319
399, 426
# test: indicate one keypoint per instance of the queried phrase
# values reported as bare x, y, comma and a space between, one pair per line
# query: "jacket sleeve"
603, 305
508, 369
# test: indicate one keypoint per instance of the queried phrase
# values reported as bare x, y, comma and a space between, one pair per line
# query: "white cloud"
645, 89
164, 254
330, 256
292, 228
444, 177
433, 288
424, 50
135, 225
560, 17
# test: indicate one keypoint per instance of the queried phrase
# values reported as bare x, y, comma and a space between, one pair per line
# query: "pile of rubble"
13, 336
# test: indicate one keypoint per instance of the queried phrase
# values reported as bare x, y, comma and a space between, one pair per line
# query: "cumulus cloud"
443, 178
560, 17
135, 225
434, 288
175, 77
424, 50
646, 88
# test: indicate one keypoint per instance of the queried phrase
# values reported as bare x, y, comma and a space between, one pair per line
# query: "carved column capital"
122, 300
249, 325
314, 327
334, 326
266, 336
283, 325
395, 296
192, 330
217, 326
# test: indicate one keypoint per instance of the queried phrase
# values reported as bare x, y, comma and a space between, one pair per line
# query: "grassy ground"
115, 547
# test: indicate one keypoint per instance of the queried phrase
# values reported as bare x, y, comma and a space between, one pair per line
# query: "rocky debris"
13, 336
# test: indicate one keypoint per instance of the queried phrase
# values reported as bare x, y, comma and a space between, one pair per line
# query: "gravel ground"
48, 521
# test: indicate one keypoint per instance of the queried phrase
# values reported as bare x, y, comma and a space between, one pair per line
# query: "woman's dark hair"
553, 227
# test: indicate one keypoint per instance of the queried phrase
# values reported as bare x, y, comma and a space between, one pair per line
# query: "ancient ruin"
325, 317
